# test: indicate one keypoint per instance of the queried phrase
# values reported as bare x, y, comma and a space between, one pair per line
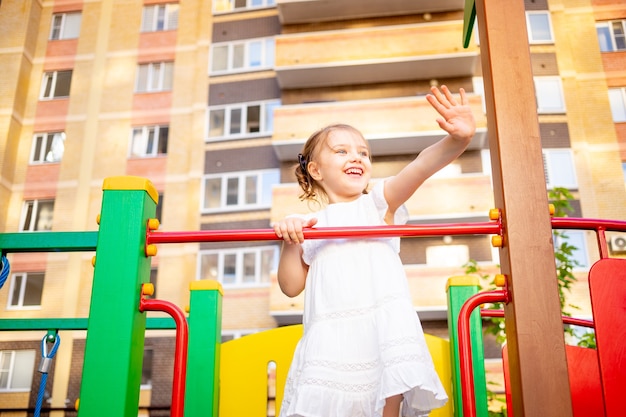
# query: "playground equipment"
209, 376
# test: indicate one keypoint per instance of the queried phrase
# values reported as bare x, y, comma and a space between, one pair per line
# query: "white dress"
363, 341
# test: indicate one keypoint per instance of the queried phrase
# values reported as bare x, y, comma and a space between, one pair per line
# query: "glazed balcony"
304, 11
374, 55
392, 126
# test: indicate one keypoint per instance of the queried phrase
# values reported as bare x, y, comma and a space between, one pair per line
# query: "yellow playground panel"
248, 364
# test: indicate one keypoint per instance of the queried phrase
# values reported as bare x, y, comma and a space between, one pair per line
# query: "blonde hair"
312, 190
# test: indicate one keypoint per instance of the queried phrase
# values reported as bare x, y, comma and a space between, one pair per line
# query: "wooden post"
538, 366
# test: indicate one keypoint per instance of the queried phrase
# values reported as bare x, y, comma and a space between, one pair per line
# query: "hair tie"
303, 163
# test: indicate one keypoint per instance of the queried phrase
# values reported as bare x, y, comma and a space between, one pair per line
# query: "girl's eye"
341, 151
364, 154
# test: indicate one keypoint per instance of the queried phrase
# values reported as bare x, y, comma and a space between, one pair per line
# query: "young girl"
363, 351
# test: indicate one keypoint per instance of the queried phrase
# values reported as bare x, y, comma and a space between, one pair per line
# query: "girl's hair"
311, 189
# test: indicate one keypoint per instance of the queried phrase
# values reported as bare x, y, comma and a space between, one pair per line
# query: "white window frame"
65, 26
20, 366
531, 33
154, 77
239, 254
145, 141
49, 85
31, 213
263, 192
617, 100
226, 116
159, 17
547, 89
47, 147
607, 39
559, 163
441, 256
17, 292
227, 6
239, 56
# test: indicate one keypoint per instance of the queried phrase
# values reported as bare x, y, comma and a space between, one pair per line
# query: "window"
16, 369
617, 99
241, 56
447, 255
156, 76
241, 120
25, 290
575, 239
239, 190
56, 84
159, 17
149, 141
220, 6
239, 267
37, 215
47, 147
558, 166
539, 27
159, 209
612, 35
549, 93
65, 26
146, 369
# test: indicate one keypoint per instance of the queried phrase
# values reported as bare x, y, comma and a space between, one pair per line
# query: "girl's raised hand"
290, 229
457, 118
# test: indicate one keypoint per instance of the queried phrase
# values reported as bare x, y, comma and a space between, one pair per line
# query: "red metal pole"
465, 345
566, 319
180, 354
485, 228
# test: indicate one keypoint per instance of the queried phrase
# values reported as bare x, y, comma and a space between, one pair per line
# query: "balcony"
464, 196
306, 11
392, 126
374, 55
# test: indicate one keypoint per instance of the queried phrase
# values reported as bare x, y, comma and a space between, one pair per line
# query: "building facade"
212, 101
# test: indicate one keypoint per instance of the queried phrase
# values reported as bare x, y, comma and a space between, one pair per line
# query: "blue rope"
44, 367
4, 270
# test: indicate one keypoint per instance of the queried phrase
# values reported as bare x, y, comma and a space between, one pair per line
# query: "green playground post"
116, 328
459, 289
203, 353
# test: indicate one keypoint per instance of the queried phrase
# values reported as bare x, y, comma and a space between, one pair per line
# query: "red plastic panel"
607, 284
584, 381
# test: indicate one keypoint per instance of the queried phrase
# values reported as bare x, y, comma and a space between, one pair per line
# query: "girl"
363, 351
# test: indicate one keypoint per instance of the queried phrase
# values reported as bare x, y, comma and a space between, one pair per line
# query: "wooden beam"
537, 359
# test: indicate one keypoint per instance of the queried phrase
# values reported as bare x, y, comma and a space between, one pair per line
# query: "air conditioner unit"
618, 243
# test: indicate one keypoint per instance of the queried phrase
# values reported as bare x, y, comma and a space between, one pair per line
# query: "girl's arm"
292, 270
458, 121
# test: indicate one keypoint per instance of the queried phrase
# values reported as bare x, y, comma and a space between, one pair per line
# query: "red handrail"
465, 345
566, 319
407, 230
180, 354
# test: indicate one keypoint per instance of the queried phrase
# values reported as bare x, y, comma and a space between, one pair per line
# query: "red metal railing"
484, 228
180, 354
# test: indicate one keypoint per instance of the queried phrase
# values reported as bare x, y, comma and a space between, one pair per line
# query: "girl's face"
342, 166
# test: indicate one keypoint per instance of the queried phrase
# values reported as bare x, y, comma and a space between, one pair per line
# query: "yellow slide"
254, 368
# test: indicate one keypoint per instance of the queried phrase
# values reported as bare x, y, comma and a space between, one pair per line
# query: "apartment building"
212, 101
